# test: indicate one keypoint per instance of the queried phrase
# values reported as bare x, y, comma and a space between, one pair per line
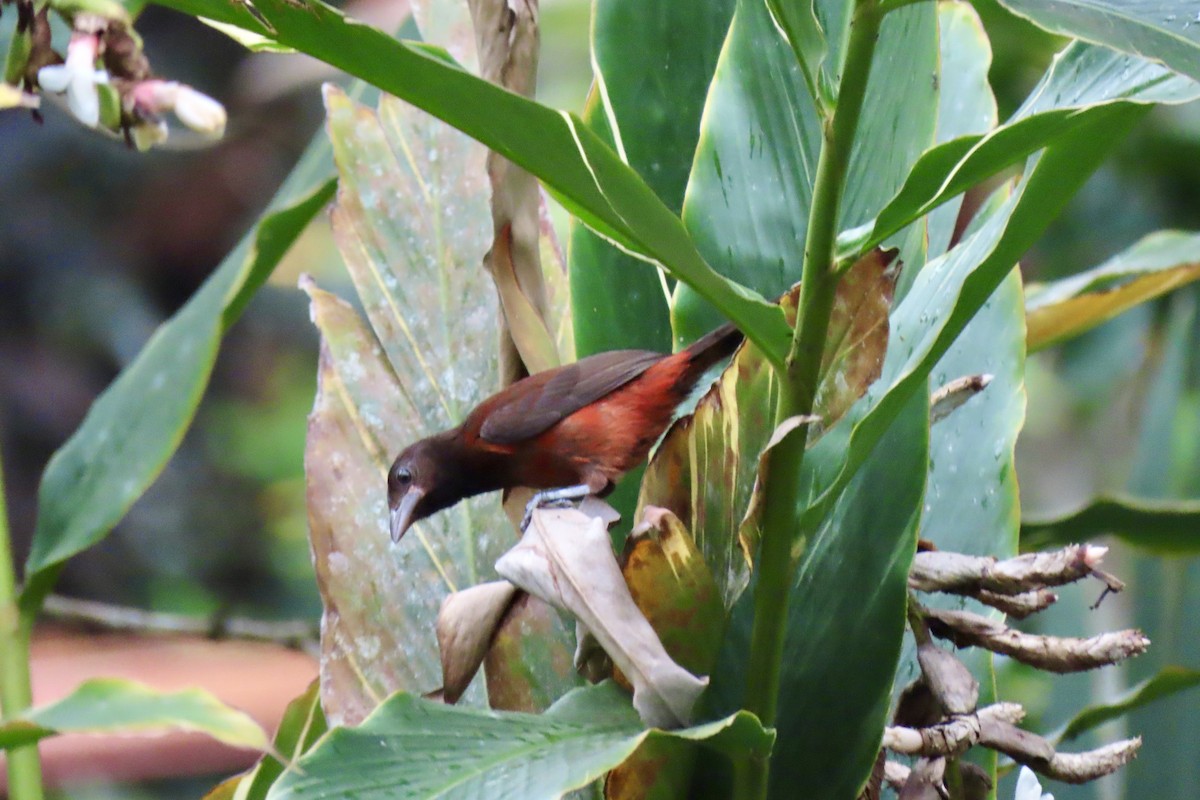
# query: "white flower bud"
195, 110
199, 112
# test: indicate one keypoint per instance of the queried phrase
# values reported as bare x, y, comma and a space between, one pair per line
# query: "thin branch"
294, 634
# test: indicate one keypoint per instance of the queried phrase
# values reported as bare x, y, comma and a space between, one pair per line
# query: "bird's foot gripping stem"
554, 498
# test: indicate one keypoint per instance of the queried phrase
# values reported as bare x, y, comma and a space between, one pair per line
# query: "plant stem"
781, 517
16, 695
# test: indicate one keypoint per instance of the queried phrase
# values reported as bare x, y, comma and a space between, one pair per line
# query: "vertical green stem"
24, 767
781, 516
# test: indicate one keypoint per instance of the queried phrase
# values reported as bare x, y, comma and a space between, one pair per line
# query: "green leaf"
971, 501
950, 290
1163, 591
113, 706
413, 748
653, 61
845, 623
252, 41
302, 725
1168, 681
137, 423
1159, 263
109, 9
797, 19
1084, 83
1167, 527
965, 103
750, 192
583, 173
1162, 30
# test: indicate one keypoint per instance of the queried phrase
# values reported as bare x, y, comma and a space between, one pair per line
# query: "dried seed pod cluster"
105, 77
937, 718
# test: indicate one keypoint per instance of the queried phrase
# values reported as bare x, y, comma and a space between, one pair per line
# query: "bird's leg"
553, 497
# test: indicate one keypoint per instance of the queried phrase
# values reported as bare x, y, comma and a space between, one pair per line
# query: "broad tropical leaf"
1159, 263
413, 748
115, 706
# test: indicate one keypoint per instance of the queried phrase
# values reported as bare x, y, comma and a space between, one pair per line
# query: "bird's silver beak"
402, 513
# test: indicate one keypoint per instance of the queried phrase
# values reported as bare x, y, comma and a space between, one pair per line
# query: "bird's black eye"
403, 476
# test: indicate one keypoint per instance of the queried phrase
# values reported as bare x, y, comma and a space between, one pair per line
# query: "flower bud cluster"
105, 78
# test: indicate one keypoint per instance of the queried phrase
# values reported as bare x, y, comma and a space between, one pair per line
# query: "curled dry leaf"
566, 559
749, 530
466, 623
507, 36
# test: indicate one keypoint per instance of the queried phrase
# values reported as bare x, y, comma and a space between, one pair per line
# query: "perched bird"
575, 429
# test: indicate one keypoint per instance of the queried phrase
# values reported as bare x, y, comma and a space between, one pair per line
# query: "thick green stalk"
24, 767
781, 516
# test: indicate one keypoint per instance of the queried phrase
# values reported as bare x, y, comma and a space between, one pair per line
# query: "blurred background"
99, 244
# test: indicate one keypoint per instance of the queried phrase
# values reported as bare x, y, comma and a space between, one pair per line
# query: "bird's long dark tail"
713, 347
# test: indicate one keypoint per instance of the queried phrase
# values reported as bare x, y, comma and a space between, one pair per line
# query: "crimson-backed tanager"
575, 429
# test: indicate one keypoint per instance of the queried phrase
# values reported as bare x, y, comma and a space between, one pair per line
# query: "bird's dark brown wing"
532, 406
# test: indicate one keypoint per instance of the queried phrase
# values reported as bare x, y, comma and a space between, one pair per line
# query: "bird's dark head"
423, 480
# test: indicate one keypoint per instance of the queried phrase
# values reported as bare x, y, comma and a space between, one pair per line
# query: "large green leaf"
1084, 84
413, 748
570, 159
1167, 527
1159, 263
845, 624
1162, 30
971, 501
302, 725
138, 422
114, 706
653, 61
1163, 591
951, 290
750, 192
1167, 682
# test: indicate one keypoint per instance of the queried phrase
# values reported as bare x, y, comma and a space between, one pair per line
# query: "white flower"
1028, 787
195, 110
78, 77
